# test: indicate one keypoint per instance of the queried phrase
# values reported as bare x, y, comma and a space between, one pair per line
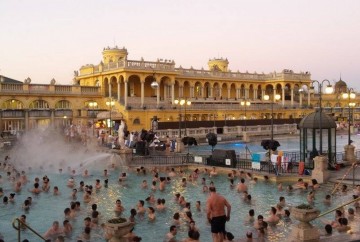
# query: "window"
39, 104
136, 121
63, 104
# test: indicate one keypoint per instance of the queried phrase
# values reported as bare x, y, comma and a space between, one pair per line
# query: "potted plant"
116, 228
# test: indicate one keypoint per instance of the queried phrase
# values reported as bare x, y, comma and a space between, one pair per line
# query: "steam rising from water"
48, 150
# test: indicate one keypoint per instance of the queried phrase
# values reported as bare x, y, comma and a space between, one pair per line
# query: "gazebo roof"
312, 121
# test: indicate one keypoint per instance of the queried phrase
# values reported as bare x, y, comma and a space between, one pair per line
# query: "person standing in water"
216, 214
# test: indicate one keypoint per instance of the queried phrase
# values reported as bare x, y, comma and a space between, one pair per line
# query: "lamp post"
245, 104
349, 95
328, 90
110, 103
92, 106
276, 98
182, 102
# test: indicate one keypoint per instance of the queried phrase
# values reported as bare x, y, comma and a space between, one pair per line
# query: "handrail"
344, 176
27, 226
342, 205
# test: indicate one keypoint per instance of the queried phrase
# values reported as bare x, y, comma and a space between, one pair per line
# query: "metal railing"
291, 166
21, 225
178, 159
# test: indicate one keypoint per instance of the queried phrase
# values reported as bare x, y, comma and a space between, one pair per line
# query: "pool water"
290, 143
47, 208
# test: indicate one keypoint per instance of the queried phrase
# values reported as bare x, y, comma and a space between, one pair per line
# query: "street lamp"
110, 103
182, 102
349, 95
328, 90
276, 98
245, 104
92, 106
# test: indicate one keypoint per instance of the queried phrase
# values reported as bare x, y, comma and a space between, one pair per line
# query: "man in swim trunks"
216, 214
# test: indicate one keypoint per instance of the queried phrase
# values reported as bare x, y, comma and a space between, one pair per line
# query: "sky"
44, 39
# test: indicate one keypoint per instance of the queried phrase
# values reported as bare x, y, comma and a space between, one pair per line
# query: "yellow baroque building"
142, 91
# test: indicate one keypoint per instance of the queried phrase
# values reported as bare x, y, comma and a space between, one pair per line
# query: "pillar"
255, 94
158, 96
283, 96
350, 157
142, 93
26, 120
292, 97
118, 90
172, 93
110, 88
308, 101
274, 93
320, 172
125, 93
52, 117
246, 93
262, 94
300, 99
229, 93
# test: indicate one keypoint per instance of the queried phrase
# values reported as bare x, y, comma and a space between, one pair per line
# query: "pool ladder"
21, 224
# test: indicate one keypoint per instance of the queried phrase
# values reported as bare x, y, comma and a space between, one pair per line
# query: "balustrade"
42, 88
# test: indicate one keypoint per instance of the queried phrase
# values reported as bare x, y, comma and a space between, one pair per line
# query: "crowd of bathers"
94, 228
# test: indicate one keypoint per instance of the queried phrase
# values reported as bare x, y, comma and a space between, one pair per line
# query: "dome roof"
340, 86
312, 121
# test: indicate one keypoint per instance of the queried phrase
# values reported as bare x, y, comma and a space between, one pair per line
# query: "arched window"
136, 121
39, 104
12, 104
63, 104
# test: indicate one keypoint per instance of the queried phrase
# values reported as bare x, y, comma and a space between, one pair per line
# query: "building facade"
142, 91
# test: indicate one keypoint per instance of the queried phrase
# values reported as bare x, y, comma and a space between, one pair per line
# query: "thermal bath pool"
47, 208
290, 143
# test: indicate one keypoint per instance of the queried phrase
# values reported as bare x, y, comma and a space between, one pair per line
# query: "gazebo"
311, 139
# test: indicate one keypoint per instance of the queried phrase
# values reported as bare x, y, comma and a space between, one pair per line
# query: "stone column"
262, 94
110, 88
300, 99
26, 120
191, 92
172, 93
229, 93
118, 90
283, 96
52, 117
158, 96
350, 157
255, 94
125, 93
320, 172
292, 97
274, 93
142, 93
246, 93
304, 230
308, 97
